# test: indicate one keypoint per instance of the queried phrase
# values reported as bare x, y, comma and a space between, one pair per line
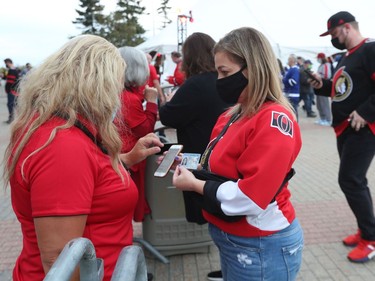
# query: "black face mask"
231, 87
336, 43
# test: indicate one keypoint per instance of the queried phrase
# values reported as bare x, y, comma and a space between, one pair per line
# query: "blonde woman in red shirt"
63, 160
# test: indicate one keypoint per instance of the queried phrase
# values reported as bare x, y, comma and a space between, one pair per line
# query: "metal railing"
151, 249
130, 266
77, 251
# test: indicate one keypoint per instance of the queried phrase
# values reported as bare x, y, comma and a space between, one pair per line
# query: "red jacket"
137, 123
178, 76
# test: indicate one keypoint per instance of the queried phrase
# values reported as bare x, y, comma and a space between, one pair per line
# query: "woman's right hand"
148, 145
184, 180
151, 94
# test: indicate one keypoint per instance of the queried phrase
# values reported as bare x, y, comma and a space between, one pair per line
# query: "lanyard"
208, 151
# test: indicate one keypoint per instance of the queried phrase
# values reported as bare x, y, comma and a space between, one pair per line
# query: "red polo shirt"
69, 177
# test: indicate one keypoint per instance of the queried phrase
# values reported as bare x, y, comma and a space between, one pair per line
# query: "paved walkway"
320, 206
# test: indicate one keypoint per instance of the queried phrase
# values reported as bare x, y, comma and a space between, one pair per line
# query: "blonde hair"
247, 46
85, 77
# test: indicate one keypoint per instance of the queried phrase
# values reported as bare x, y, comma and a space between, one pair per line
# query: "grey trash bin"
166, 228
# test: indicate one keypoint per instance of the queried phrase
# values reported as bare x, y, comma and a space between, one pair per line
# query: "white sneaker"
325, 123
317, 122
322, 122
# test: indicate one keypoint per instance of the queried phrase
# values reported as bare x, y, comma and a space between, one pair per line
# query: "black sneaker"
10, 119
150, 276
215, 276
311, 114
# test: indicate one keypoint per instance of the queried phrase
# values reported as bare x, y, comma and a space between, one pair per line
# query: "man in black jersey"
352, 89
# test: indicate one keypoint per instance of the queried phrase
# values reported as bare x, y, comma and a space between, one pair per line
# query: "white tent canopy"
218, 19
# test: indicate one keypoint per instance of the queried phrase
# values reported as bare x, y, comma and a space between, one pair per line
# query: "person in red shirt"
154, 81
253, 146
178, 76
138, 116
63, 159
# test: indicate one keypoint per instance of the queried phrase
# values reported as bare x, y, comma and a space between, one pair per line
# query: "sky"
32, 30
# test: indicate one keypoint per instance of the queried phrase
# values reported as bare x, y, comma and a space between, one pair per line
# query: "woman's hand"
184, 180
151, 94
148, 145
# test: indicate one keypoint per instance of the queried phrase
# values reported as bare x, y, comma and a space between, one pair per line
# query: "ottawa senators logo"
342, 85
282, 122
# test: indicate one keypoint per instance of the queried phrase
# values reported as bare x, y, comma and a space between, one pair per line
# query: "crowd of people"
298, 89
83, 122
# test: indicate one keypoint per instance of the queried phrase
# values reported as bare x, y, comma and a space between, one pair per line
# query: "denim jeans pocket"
292, 257
246, 259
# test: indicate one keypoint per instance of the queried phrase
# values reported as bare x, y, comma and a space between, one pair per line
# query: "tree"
91, 17
163, 9
123, 26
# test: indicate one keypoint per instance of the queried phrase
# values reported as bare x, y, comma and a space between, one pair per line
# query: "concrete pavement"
320, 205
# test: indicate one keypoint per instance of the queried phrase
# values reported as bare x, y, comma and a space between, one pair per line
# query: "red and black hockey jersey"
259, 151
12, 80
353, 86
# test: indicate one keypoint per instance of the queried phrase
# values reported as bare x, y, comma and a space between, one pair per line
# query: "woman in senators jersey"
63, 158
263, 240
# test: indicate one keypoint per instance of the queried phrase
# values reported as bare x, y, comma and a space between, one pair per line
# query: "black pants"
356, 151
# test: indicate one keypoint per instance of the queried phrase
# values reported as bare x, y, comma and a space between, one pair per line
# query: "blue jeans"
267, 258
10, 104
294, 102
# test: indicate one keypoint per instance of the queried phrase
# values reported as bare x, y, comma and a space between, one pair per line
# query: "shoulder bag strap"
207, 152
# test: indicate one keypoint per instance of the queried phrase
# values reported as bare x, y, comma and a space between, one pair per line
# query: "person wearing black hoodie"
194, 108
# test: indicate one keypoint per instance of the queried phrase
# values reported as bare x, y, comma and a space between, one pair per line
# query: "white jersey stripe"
235, 202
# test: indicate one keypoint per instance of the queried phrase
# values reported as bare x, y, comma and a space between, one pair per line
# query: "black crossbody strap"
78, 124
288, 176
207, 153
87, 132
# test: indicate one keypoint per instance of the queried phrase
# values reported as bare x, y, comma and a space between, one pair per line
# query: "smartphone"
168, 160
312, 77
165, 148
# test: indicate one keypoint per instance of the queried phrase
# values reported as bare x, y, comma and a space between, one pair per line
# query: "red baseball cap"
337, 20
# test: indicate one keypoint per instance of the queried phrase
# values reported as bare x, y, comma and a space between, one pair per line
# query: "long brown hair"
197, 54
